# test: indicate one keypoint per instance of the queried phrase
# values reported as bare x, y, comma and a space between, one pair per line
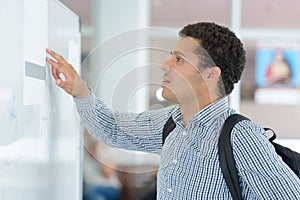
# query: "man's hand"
72, 83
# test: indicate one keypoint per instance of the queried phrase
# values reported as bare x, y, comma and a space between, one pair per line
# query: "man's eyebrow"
178, 53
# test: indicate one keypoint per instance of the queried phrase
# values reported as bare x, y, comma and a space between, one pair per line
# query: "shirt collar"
207, 115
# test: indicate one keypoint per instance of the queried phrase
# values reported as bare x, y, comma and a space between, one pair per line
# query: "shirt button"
169, 190
184, 133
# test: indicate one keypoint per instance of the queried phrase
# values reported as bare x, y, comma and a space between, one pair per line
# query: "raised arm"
141, 132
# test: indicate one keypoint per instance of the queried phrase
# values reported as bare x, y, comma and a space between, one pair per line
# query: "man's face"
182, 79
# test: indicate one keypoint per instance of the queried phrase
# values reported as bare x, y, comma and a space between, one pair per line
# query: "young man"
203, 67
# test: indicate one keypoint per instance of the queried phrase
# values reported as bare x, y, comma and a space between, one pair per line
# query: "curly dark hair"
223, 47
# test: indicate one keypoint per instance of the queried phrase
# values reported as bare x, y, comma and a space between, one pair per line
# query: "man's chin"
168, 95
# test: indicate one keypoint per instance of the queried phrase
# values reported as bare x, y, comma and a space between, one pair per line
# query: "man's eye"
178, 59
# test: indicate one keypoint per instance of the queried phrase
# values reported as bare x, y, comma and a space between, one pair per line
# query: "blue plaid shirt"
189, 167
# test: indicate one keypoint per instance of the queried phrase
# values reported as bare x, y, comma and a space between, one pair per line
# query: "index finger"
55, 55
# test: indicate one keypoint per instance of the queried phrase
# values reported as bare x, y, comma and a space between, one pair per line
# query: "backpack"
227, 163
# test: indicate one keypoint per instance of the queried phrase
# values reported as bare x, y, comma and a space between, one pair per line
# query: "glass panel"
39, 143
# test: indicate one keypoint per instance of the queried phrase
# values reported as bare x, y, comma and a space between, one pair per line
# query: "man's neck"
189, 109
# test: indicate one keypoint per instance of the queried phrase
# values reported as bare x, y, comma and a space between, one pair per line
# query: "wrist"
81, 89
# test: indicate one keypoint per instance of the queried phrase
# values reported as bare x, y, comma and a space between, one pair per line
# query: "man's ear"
213, 73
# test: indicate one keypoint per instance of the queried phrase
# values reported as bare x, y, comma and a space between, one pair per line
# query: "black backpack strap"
168, 127
226, 158
273, 136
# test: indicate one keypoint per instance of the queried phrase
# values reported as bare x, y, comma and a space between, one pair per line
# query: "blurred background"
118, 46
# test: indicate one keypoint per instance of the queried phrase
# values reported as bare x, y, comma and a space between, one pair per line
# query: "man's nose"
165, 66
